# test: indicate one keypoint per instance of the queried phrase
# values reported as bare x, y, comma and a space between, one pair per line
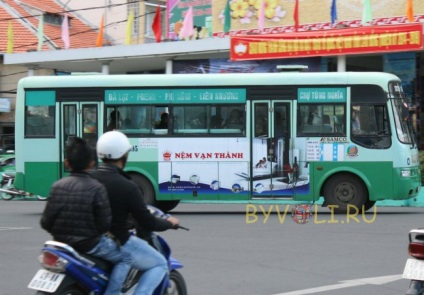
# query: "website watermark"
302, 214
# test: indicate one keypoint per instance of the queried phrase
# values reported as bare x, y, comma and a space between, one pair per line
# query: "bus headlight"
405, 173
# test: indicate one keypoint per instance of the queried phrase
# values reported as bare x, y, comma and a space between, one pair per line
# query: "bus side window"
235, 120
114, 119
39, 121
189, 119
321, 119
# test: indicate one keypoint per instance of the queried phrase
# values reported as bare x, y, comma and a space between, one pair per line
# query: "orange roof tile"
25, 39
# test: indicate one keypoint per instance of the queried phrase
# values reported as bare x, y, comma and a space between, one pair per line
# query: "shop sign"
361, 40
5, 105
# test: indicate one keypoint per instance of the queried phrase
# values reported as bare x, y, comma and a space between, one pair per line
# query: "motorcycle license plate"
46, 281
414, 270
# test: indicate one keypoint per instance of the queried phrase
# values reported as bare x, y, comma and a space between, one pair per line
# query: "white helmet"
113, 145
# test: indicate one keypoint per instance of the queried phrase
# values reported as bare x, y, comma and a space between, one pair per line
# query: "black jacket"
126, 199
77, 211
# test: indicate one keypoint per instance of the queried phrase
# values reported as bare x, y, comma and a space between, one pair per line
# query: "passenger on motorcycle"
126, 199
78, 213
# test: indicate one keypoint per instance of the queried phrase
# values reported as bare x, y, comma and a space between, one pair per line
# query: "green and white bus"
246, 138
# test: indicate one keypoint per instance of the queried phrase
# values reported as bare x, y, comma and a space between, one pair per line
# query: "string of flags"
187, 28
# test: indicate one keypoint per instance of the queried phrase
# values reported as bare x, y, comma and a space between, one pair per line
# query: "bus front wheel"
149, 194
342, 190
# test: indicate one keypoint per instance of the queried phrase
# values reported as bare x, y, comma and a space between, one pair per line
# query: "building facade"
199, 52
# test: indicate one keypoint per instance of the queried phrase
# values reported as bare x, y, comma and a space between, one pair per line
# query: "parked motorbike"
414, 268
8, 191
65, 271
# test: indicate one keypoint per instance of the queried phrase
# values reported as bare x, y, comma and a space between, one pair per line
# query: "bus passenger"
114, 120
216, 122
235, 120
313, 117
163, 124
356, 125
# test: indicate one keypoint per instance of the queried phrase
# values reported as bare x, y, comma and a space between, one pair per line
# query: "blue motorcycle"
68, 272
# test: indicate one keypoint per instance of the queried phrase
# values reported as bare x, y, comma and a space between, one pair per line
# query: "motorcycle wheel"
68, 290
40, 198
6, 196
177, 284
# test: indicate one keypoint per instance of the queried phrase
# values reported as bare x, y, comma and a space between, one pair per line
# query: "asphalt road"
229, 251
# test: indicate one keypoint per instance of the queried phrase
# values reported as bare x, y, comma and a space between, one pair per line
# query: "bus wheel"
149, 194
146, 188
166, 206
342, 190
368, 205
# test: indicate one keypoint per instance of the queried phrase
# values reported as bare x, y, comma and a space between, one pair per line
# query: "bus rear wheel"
149, 194
342, 190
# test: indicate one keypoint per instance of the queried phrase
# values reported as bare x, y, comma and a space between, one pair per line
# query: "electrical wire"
17, 73
68, 11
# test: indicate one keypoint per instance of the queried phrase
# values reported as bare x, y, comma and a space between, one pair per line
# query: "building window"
134, 7
54, 19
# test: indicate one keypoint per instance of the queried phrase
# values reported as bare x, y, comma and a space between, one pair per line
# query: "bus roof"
187, 80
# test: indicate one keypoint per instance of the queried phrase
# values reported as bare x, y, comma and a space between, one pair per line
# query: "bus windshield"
400, 103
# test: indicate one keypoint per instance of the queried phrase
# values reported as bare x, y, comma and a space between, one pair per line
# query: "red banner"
361, 40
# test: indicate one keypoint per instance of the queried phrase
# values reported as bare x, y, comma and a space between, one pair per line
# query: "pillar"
341, 63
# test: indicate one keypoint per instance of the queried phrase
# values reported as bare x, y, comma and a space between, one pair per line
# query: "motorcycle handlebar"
180, 227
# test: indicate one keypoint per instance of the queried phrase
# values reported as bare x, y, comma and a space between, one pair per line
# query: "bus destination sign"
180, 96
320, 95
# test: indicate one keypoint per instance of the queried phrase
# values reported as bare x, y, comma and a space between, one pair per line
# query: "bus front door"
271, 169
78, 119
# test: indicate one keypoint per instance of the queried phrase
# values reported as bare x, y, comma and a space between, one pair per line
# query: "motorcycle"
414, 268
67, 272
8, 191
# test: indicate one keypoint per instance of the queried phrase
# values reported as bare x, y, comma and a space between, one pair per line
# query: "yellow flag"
10, 38
129, 27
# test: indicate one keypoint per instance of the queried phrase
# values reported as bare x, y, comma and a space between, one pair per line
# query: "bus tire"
167, 206
368, 205
149, 194
146, 188
345, 189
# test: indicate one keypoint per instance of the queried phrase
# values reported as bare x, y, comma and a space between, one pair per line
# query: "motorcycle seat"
101, 263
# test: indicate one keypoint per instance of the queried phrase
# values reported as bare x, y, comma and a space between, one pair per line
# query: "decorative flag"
10, 38
40, 32
227, 17
296, 16
65, 32
129, 27
157, 25
99, 42
333, 12
410, 11
187, 30
367, 12
261, 15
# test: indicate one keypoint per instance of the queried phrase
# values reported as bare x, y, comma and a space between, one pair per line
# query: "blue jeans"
149, 260
107, 249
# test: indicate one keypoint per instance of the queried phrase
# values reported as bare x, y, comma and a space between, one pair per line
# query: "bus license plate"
414, 270
46, 281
